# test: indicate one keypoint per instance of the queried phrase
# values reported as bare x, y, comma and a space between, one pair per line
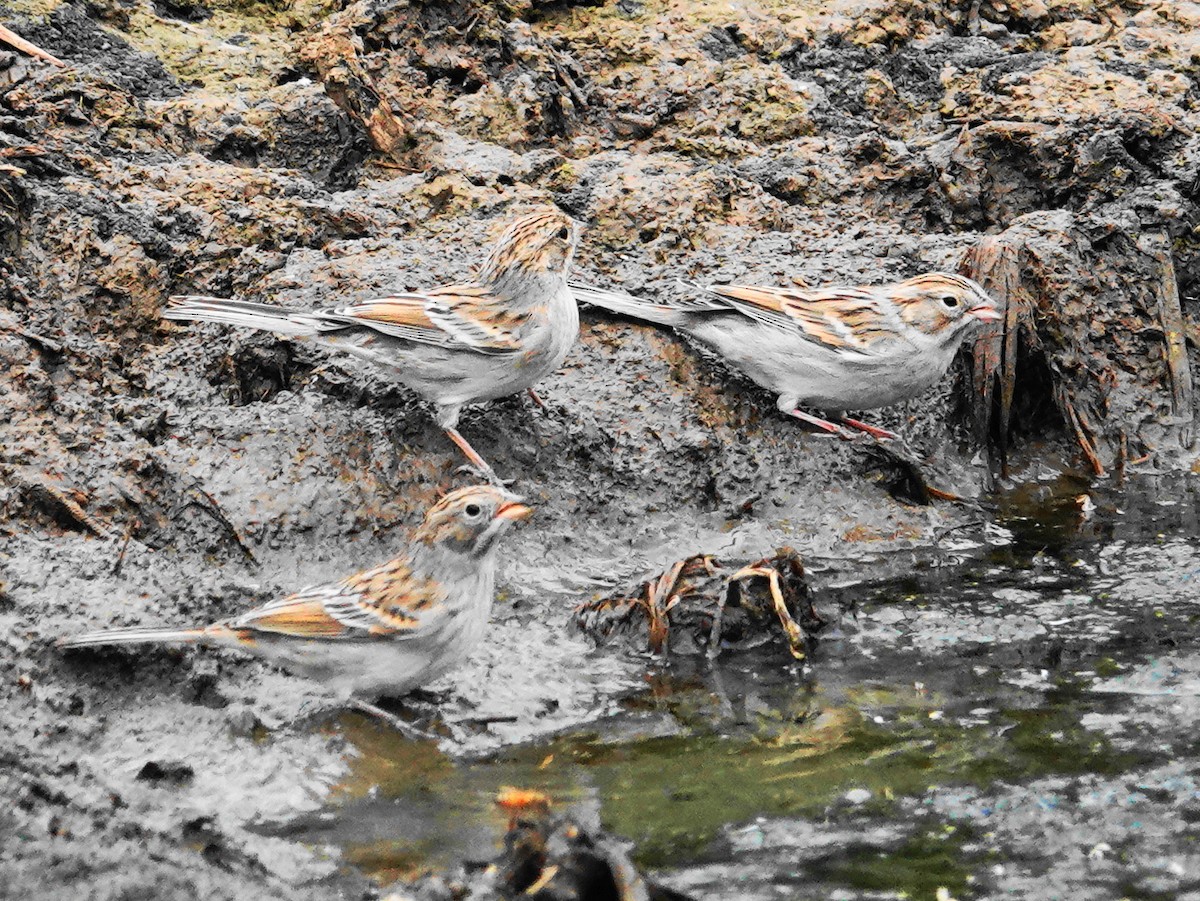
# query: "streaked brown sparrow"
453, 345
384, 631
835, 349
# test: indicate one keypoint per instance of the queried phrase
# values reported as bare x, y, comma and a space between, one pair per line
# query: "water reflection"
1030, 664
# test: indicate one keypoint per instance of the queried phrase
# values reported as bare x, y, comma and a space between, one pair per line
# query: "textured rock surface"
310, 153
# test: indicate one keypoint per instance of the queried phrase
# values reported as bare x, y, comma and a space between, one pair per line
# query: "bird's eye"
472, 510
564, 233
950, 300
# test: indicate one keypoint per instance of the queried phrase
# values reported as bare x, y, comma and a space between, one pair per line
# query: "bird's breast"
551, 330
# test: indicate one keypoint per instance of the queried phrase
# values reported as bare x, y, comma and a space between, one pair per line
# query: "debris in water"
554, 858
698, 603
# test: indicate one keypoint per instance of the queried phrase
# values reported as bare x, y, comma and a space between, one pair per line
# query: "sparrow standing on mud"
453, 345
835, 349
384, 631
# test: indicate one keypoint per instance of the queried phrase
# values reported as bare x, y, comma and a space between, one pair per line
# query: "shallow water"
1016, 717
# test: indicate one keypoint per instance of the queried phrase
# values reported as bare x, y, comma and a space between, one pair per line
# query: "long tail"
240, 312
673, 314
132, 636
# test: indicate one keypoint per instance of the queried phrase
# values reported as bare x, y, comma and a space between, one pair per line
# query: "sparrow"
833, 349
382, 632
454, 345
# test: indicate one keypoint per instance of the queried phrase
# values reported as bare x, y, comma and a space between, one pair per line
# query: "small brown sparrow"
453, 345
384, 631
835, 349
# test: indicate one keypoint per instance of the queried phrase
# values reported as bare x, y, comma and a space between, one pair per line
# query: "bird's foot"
488, 475
537, 399
429, 697
872, 430
823, 424
407, 729
476, 464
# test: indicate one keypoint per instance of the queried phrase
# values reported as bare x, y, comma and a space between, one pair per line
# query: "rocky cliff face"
313, 153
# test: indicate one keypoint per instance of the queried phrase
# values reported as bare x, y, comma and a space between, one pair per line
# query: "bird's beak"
513, 511
985, 312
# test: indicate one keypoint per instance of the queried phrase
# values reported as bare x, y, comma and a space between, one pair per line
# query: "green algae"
673, 795
926, 862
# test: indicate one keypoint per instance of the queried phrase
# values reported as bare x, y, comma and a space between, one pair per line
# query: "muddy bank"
311, 154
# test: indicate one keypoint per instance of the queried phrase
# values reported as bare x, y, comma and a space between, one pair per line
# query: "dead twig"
42, 489
206, 502
659, 601
1082, 430
392, 164
795, 635
116, 570
408, 730
564, 78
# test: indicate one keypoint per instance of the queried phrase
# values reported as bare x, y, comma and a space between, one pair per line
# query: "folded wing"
386, 602
458, 317
842, 319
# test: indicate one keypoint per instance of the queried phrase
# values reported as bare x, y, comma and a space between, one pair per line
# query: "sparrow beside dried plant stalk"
382, 632
831, 349
454, 345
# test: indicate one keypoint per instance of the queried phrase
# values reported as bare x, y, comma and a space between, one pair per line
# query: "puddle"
952, 718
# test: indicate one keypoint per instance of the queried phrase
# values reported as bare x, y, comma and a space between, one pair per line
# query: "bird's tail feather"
241, 312
628, 305
132, 636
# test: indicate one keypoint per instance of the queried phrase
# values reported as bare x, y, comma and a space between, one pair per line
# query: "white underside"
375, 667
804, 373
451, 378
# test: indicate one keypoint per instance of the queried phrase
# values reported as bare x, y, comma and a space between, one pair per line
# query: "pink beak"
514, 511
985, 312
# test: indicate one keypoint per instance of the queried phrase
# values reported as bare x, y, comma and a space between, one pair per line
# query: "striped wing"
458, 317
842, 319
385, 602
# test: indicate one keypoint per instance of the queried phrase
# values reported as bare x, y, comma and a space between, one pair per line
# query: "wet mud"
1003, 699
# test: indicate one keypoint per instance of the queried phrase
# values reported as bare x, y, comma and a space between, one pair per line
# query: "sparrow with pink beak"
832, 349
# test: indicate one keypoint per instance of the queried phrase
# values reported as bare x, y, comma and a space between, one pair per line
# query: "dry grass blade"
658, 604
994, 264
1170, 316
795, 635
1084, 434
58, 499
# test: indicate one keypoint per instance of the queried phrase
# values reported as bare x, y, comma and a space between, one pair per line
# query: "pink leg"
533, 395
470, 453
872, 430
823, 424
19, 43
